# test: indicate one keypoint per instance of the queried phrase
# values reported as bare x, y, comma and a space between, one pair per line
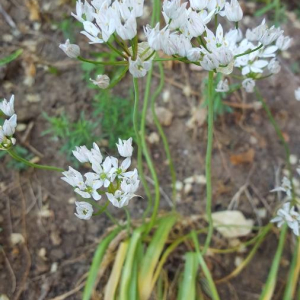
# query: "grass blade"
11, 57
98, 256
152, 255
211, 284
187, 288
114, 277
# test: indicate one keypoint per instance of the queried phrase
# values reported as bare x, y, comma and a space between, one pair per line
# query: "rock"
240, 225
164, 116
17, 238
21, 127
293, 159
187, 188
153, 138
33, 98
178, 185
166, 96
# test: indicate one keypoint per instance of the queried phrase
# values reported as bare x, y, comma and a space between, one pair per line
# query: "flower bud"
233, 11
102, 81
71, 50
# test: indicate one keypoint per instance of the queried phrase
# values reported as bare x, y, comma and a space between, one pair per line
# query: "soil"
57, 247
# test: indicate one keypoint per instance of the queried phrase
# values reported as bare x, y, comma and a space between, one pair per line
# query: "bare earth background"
58, 247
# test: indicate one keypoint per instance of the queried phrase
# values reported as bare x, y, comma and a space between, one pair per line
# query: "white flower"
154, 37
253, 65
222, 86
119, 198
71, 50
9, 126
73, 177
130, 182
139, 68
172, 8
125, 147
194, 54
119, 171
129, 30
274, 66
224, 55
103, 170
233, 11
82, 154
84, 210
198, 4
7, 107
102, 81
297, 94
286, 187
249, 85
270, 35
257, 33
284, 42
194, 26
287, 214
216, 5
91, 32
183, 45
83, 11
209, 62
91, 185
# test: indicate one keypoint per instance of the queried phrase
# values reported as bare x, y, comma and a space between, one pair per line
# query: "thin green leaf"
11, 57
98, 256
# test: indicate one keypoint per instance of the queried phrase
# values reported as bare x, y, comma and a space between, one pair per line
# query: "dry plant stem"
210, 102
162, 134
268, 290
238, 270
15, 156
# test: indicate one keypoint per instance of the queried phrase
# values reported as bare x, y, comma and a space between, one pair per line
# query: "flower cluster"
288, 214
106, 20
108, 177
186, 36
9, 126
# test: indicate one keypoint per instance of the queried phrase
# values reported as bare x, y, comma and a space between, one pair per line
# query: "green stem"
15, 156
210, 102
212, 286
138, 141
162, 134
128, 218
105, 63
269, 287
277, 12
281, 137
116, 50
147, 154
249, 51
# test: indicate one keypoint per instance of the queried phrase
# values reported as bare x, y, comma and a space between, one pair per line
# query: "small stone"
42, 253
164, 116
178, 185
189, 180
253, 140
187, 188
17, 238
72, 200
54, 267
7, 38
238, 261
201, 179
153, 138
187, 91
262, 213
166, 96
21, 127
293, 159
33, 98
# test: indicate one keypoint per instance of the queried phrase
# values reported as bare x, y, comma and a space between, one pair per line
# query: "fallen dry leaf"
34, 10
234, 222
243, 158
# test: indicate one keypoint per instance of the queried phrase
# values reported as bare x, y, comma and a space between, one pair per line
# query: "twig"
10, 271
8, 18
164, 194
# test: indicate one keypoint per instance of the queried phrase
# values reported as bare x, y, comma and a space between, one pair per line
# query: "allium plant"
189, 32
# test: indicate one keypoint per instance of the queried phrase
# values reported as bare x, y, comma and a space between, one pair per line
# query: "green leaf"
11, 57
265, 9
98, 256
